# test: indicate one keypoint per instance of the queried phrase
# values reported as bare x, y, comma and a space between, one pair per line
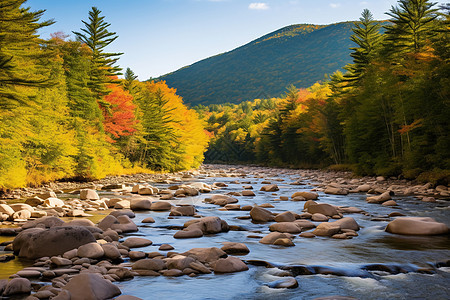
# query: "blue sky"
161, 36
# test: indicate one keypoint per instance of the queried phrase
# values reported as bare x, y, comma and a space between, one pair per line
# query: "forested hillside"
297, 54
389, 113
65, 114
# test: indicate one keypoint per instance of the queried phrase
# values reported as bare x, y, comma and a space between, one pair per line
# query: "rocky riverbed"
227, 232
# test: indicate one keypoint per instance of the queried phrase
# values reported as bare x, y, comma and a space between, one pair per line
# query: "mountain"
298, 54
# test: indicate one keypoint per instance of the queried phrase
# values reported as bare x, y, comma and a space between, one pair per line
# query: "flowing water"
372, 246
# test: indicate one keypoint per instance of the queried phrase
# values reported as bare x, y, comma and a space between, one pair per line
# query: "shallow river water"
372, 246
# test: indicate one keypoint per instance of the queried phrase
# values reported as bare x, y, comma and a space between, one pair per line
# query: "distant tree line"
389, 113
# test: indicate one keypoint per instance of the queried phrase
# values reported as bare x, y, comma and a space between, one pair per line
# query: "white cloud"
258, 6
335, 5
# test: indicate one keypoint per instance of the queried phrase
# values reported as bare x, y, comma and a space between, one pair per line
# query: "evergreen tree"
412, 23
367, 36
19, 51
103, 64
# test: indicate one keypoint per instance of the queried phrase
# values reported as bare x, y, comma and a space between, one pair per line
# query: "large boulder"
6, 209
136, 242
259, 214
53, 202
91, 286
417, 226
161, 206
379, 198
37, 242
322, 208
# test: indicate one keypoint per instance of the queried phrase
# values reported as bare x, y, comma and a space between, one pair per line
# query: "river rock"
248, 193
322, 208
335, 191
90, 250
286, 216
21, 206
198, 266
17, 286
53, 202
36, 242
259, 214
161, 206
88, 194
6, 209
21, 215
124, 204
389, 203
347, 223
153, 264
205, 255
123, 212
380, 198
140, 204
273, 236
111, 251
91, 286
305, 224
185, 210
326, 229
179, 262
222, 200
270, 188
416, 226
285, 242
306, 195
46, 222
61, 261
188, 234
235, 248
136, 242
208, 225
122, 223
318, 217
34, 201
148, 220
285, 283
229, 265
289, 227
128, 297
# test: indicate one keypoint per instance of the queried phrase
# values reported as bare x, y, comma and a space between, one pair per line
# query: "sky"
161, 36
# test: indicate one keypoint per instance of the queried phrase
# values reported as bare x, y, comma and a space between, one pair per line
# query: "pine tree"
367, 36
412, 23
19, 51
103, 64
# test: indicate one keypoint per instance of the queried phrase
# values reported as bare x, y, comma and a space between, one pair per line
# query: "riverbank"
275, 225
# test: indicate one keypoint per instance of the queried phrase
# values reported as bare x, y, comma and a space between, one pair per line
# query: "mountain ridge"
298, 54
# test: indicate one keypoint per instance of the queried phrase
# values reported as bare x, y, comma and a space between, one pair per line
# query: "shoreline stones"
109, 248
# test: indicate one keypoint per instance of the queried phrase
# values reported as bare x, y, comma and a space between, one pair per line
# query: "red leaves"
120, 119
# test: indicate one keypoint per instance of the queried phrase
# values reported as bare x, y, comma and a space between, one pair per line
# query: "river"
373, 246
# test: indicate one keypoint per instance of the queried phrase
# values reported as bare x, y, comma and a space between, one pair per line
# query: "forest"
65, 114
388, 114
67, 111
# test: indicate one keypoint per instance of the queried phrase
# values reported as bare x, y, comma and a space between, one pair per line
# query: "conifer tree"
19, 50
367, 37
103, 64
412, 23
